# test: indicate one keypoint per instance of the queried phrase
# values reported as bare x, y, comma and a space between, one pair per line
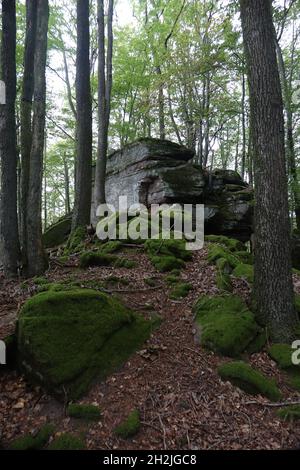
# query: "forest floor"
172, 381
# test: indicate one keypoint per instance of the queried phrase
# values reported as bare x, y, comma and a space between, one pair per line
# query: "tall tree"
26, 118
273, 287
82, 206
9, 237
104, 97
36, 256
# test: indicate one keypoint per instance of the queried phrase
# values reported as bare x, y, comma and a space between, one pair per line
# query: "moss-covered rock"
31, 442
216, 252
166, 263
230, 243
282, 354
180, 290
66, 339
111, 247
289, 413
244, 271
58, 233
130, 427
227, 326
249, 379
224, 281
67, 441
85, 412
167, 255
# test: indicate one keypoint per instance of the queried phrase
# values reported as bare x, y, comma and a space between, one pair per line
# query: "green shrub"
30, 442
86, 412
130, 427
67, 441
250, 380
227, 326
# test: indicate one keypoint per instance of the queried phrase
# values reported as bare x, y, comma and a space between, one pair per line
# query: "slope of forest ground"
172, 380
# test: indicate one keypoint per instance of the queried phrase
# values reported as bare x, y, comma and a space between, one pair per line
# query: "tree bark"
104, 96
26, 118
36, 255
273, 287
9, 237
83, 195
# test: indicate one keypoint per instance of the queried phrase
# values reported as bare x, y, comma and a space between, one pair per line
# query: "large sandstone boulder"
66, 339
58, 233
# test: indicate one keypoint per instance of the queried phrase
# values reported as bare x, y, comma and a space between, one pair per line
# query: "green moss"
66, 339
175, 248
166, 263
130, 427
111, 247
250, 380
244, 271
75, 240
30, 442
216, 252
40, 281
86, 412
224, 281
227, 326
245, 257
282, 355
67, 441
230, 243
180, 291
289, 413
223, 266
171, 279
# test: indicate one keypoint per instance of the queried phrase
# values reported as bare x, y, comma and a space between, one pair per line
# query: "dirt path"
173, 382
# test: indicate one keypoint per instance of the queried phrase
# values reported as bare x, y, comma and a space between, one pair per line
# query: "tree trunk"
83, 195
161, 106
243, 126
9, 237
273, 287
26, 122
287, 95
36, 255
104, 94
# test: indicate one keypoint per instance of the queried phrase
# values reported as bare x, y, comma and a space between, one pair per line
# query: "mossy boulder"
289, 413
282, 354
216, 252
66, 441
167, 255
31, 442
180, 291
244, 271
249, 379
67, 339
130, 427
58, 233
226, 325
85, 412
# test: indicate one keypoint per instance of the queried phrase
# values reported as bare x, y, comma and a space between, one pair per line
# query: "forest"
149, 227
